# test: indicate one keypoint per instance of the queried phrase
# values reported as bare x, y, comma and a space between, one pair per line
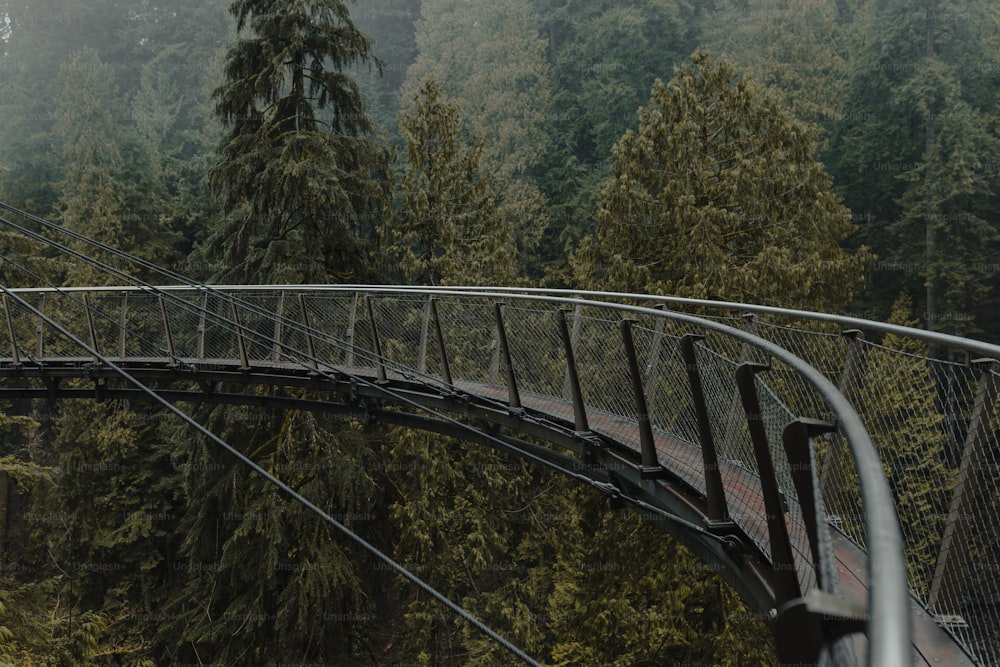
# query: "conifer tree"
108, 191
916, 156
490, 59
718, 195
447, 229
302, 185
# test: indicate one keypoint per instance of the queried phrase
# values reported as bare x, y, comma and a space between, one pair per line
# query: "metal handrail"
890, 632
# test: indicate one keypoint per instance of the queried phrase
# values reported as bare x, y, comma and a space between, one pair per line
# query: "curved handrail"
890, 633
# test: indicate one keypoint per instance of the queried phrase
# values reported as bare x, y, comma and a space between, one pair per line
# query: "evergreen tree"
916, 156
109, 191
800, 49
490, 60
604, 56
719, 196
302, 185
447, 229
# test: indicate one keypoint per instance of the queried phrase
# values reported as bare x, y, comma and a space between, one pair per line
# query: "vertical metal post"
241, 342
171, 356
573, 338
733, 419
310, 347
647, 445
425, 325
796, 439
379, 359
122, 325
953, 564
276, 352
653, 365
15, 355
514, 397
90, 326
718, 510
351, 319
40, 329
445, 366
572, 377
850, 382
494, 376
782, 560
201, 326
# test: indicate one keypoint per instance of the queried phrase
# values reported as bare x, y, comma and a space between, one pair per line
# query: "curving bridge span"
791, 450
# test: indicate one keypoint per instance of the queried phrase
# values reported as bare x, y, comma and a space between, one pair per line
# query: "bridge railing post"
445, 364
91, 329
241, 342
15, 354
782, 559
310, 345
279, 310
351, 319
513, 395
40, 329
850, 381
376, 342
123, 324
718, 510
650, 460
572, 375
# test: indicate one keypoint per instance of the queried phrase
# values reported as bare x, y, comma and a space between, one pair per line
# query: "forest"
833, 155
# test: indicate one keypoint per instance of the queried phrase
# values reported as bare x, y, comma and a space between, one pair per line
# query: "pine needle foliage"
718, 195
447, 230
302, 186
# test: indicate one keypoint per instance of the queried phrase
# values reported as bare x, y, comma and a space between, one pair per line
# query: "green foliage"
899, 396
719, 196
447, 229
800, 49
489, 57
263, 579
915, 157
302, 187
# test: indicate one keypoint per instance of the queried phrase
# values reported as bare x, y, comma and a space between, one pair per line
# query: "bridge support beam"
782, 560
514, 396
718, 510
651, 467
572, 376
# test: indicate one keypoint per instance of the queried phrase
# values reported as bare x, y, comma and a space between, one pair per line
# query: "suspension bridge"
786, 448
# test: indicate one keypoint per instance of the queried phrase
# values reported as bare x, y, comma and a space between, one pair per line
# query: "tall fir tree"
303, 186
109, 190
719, 196
490, 59
446, 228
916, 156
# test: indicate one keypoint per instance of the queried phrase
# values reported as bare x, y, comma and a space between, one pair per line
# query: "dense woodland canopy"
832, 154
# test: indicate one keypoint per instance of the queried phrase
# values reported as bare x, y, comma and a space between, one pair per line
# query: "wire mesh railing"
370, 327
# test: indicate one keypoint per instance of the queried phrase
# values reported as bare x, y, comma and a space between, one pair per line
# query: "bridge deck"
932, 646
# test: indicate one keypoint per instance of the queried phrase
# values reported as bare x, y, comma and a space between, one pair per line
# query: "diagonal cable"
295, 495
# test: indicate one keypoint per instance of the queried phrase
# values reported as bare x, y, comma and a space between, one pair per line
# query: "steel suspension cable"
292, 493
